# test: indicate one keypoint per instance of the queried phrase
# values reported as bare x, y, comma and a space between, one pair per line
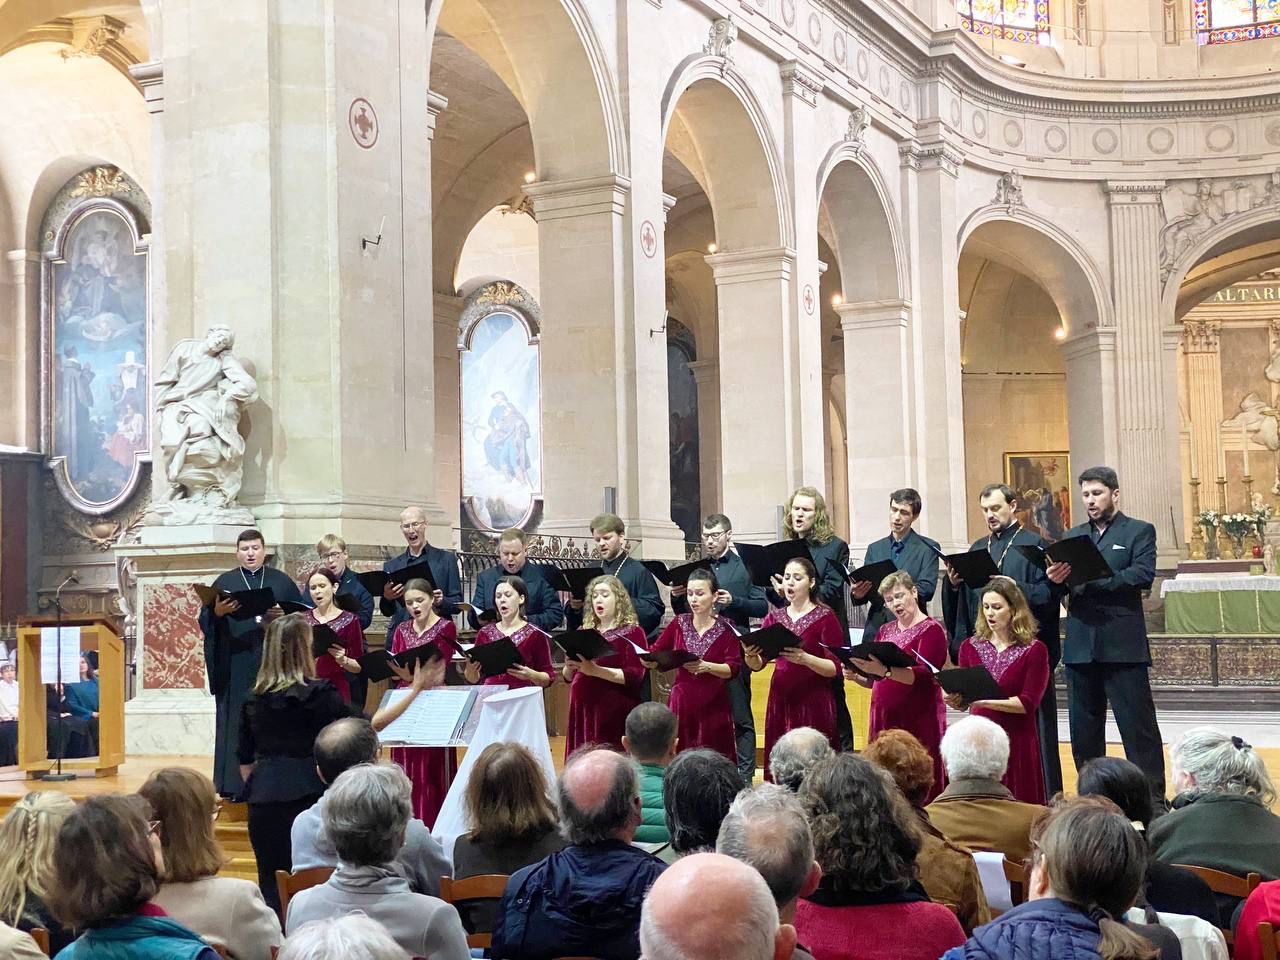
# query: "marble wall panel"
173, 655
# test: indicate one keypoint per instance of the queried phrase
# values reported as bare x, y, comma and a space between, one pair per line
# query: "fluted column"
1092, 423
706, 374
20, 350
1146, 379
1204, 396
446, 312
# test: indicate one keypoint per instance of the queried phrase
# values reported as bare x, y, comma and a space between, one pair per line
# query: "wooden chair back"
1227, 884
486, 886
41, 936
1269, 941
287, 884
1016, 874
219, 949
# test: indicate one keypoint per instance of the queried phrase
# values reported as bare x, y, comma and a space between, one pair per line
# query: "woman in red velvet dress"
429, 769
602, 692
1006, 645
339, 661
908, 698
800, 692
700, 694
510, 597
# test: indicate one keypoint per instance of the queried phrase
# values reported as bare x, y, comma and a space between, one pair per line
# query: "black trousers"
844, 723
270, 826
744, 724
8, 742
1047, 722
359, 685
1128, 687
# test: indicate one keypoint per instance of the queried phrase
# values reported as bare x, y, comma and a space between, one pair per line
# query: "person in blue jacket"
909, 551
543, 609
443, 564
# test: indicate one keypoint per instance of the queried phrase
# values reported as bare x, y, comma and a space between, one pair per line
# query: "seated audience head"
1205, 760
975, 748
608, 602
7, 671
1086, 853
286, 655
342, 745
1120, 781
696, 793
650, 735
711, 907
107, 860
186, 806
366, 812
507, 797
350, 937
1004, 602
907, 762
863, 834
599, 797
89, 665
766, 828
513, 550
27, 836
794, 753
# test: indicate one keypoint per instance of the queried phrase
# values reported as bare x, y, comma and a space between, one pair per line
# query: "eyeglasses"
333, 555
414, 525
714, 534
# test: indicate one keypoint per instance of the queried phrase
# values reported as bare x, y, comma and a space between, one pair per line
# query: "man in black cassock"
961, 605
610, 534
233, 650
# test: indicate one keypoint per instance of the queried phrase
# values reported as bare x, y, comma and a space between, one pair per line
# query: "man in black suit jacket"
909, 551
1106, 651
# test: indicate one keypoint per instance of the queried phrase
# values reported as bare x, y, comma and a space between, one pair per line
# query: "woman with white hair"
365, 815
352, 937
1221, 817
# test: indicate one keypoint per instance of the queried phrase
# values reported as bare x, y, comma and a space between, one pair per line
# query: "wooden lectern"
33, 748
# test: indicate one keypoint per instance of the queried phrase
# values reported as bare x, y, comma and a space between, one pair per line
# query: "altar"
1222, 604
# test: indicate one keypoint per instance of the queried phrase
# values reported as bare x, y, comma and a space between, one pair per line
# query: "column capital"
934, 155
1132, 191
1200, 336
746, 266
1095, 340
705, 372
802, 81
436, 103
150, 77
874, 314
560, 199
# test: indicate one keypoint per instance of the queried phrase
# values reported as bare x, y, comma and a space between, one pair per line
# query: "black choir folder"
772, 640
572, 580
1087, 563
375, 581
488, 615
322, 638
890, 654
764, 562
583, 644
872, 573
676, 576
972, 683
376, 664
975, 568
253, 603
495, 658
666, 660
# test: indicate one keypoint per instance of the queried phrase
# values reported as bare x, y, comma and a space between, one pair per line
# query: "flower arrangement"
1209, 520
1238, 525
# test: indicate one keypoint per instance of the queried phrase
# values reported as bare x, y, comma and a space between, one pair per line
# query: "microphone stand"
59, 776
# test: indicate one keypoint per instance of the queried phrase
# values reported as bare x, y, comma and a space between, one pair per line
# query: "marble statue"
199, 396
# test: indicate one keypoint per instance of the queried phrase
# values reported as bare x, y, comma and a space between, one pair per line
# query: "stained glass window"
1230, 21
1022, 21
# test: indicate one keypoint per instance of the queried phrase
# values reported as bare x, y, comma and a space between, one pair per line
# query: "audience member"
976, 810
1087, 867
795, 752
948, 872
17, 945
340, 746
766, 828
8, 714
869, 904
1221, 816
685, 914
27, 837
365, 815
513, 823
108, 863
586, 898
285, 712
350, 937
1262, 906
224, 910
82, 698
696, 793
1168, 889
650, 739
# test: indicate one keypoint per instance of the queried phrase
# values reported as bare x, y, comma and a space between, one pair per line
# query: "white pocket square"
1116, 546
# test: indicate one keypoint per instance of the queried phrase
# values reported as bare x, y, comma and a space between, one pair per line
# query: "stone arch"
1257, 228
867, 223
749, 213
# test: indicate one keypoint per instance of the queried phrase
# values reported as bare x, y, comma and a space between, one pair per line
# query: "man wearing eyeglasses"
332, 551
444, 571
738, 599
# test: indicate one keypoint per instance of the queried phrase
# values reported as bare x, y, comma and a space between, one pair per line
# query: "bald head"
343, 744
794, 753
683, 917
413, 525
599, 797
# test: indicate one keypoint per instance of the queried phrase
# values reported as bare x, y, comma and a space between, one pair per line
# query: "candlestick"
1222, 494
1195, 549
1248, 493
1244, 447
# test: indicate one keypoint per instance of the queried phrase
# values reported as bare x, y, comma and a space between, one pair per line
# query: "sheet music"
434, 719
70, 655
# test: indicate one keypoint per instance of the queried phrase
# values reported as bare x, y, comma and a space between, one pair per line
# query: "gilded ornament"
101, 182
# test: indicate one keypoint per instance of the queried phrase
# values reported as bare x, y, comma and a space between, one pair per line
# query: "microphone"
72, 577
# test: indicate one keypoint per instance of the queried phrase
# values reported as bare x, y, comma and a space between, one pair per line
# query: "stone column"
20, 349
447, 311
1092, 425
1146, 381
706, 373
753, 296
877, 363
1204, 401
936, 435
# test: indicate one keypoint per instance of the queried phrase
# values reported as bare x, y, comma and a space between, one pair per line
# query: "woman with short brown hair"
223, 910
108, 864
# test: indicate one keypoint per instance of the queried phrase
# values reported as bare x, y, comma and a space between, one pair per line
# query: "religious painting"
682, 404
501, 409
1042, 483
96, 404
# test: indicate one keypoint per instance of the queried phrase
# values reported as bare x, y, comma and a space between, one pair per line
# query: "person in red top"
509, 598
801, 684
1263, 906
1006, 645
869, 904
602, 692
908, 698
429, 769
700, 694
340, 661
